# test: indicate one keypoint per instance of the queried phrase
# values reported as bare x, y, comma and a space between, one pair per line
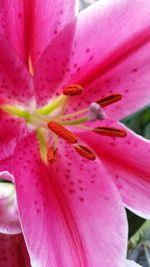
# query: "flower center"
50, 122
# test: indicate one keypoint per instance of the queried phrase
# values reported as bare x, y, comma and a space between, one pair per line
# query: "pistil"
75, 121
96, 112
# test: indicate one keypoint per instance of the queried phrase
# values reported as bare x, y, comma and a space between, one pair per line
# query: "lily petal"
7, 167
76, 216
13, 24
47, 20
105, 50
11, 130
127, 159
13, 251
29, 26
9, 220
15, 82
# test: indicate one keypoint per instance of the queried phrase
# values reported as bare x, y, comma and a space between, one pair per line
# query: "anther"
62, 132
108, 100
96, 112
73, 89
85, 152
109, 131
52, 154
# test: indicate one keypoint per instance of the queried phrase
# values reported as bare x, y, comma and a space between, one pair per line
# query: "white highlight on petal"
5, 175
96, 112
9, 219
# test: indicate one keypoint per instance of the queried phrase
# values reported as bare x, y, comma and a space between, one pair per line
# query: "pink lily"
12, 246
13, 251
71, 209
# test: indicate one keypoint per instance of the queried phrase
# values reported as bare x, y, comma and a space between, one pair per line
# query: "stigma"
96, 112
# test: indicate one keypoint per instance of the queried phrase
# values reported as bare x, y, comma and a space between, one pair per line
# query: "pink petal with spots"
30, 25
13, 25
13, 252
101, 58
47, 19
127, 160
11, 130
71, 207
6, 169
15, 81
9, 219
131, 264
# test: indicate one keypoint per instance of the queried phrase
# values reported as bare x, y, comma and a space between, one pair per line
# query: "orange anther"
52, 154
109, 131
62, 132
85, 152
73, 89
108, 100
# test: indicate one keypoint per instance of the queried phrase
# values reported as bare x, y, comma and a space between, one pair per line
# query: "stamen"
96, 112
85, 152
62, 132
52, 154
73, 89
52, 106
109, 131
108, 100
42, 144
17, 111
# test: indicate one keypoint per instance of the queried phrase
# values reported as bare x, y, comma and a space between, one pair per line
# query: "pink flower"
13, 251
72, 183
